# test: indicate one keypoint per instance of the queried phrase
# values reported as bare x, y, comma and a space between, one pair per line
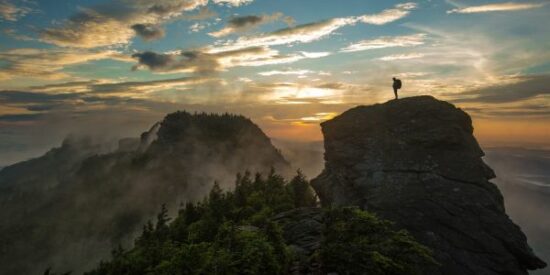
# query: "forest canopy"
233, 233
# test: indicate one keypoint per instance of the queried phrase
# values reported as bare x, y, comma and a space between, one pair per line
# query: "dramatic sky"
113, 68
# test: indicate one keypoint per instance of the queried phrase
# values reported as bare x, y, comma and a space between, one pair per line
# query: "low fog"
68, 208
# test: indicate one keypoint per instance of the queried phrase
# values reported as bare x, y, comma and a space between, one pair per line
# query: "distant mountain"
307, 156
68, 208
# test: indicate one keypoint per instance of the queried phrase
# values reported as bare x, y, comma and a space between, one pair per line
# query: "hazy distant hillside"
306, 156
523, 177
69, 207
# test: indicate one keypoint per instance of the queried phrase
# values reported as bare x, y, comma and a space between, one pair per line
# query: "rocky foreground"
416, 162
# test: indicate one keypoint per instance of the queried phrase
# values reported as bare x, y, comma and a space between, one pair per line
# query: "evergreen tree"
233, 233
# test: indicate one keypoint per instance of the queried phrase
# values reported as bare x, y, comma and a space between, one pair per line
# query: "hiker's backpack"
398, 84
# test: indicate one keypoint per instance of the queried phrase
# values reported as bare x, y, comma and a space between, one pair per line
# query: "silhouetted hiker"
396, 86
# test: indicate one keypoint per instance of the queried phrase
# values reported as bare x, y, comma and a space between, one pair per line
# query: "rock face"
302, 231
415, 161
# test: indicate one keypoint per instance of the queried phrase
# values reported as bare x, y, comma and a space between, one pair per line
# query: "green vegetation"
356, 242
232, 233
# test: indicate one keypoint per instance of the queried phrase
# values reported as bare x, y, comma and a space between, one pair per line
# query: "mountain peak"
416, 162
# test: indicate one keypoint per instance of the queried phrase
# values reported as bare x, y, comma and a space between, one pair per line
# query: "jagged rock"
302, 231
415, 161
148, 137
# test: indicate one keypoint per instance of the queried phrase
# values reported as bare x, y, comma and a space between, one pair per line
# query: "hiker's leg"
395, 92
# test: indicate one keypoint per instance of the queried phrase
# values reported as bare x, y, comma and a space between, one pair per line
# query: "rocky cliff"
416, 162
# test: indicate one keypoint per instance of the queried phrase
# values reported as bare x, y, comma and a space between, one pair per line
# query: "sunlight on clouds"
508, 6
492, 66
390, 15
11, 12
401, 56
318, 117
306, 33
288, 72
386, 42
234, 3
48, 63
291, 93
107, 25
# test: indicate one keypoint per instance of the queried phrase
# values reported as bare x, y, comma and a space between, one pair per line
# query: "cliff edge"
416, 162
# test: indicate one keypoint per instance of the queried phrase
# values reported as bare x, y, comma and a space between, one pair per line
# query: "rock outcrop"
416, 162
302, 231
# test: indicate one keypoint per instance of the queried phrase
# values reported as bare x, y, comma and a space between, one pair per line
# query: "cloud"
290, 93
386, 42
115, 23
299, 34
188, 61
300, 73
49, 63
139, 87
401, 56
27, 97
389, 15
507, 6
11, 12
198, 26
148, 31
311, 32
88, 95
201, 61
130, 88
272, 57
234, 3
524, 87
287, 72
244, 23
204, 13
19, 117
11, 32
522, 110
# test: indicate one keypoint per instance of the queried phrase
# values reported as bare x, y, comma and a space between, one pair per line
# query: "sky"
114, 68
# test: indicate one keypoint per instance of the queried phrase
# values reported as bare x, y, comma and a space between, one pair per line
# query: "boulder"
302, 231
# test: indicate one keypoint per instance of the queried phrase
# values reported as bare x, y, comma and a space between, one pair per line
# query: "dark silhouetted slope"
69, 207
416, 162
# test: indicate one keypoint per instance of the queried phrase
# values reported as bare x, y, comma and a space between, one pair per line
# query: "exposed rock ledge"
416, 162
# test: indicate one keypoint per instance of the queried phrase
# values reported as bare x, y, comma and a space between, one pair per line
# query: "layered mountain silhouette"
412, 161
70, 207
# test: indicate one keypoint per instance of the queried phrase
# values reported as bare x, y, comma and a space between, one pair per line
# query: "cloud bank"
49, 63
116, 23
204, 62
313, 31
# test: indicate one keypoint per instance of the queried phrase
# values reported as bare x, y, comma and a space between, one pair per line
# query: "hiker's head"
393, 78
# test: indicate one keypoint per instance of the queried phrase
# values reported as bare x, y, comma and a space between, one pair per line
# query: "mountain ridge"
72, 205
